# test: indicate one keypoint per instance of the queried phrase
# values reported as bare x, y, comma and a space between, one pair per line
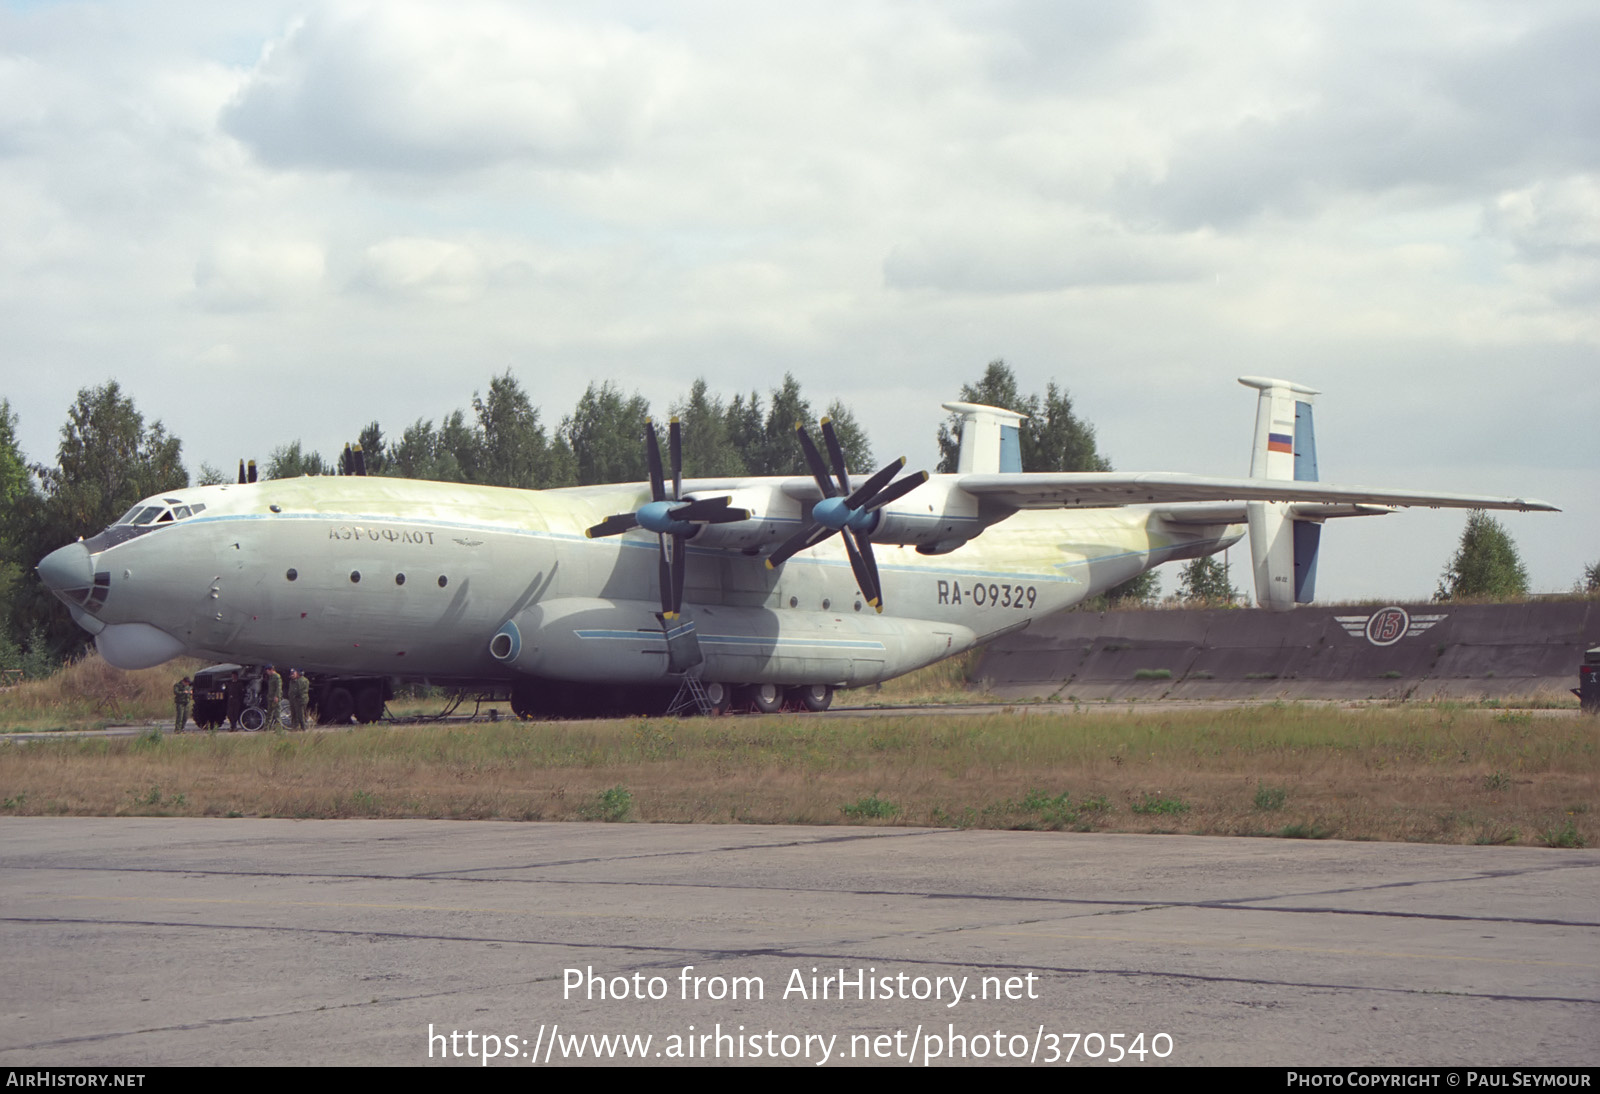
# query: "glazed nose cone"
68, 573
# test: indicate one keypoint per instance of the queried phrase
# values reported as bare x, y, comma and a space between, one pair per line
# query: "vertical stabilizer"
1283, 551
991, 438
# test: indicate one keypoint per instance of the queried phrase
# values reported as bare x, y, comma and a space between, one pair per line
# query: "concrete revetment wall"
1416, 651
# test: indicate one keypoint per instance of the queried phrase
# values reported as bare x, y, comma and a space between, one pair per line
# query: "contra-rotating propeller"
851, 513
666, 514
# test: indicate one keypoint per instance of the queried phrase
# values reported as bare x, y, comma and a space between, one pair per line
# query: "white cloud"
421, 87
256, 273
1394, 202
428, 269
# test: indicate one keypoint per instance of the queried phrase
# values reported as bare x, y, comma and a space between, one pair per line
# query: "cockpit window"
144, 516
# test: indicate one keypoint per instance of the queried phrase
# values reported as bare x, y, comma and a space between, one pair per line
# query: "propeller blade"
664, 577
613, 525
866, 572
652, 455
836, 454
727, 516
897, 491
875, 596
874, 484
819, 470
806, 537
680, 563
708, 511
675, 451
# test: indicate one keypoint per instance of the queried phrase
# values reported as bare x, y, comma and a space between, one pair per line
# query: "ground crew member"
299, 697
274, 696
182, 695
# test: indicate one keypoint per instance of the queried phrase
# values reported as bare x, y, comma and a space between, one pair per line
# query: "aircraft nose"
68, 572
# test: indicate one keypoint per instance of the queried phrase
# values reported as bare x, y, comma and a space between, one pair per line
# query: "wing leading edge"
1107, 489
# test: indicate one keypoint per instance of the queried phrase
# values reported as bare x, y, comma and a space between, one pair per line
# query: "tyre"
369, 704
720, 696
336, 707
814, 697
252, 718
764, 698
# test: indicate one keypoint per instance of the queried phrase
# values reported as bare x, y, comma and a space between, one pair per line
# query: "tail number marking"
992, 595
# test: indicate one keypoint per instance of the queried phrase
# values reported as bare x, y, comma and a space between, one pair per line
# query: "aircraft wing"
1105, 489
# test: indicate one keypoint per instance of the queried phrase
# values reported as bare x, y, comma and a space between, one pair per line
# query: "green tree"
514, 450
212, 476
1053, 438
1486, 563
373, 450
290, 461
708, 450
605, 433
1204, 580
14, 478
747, 432
1591, 578
108, 459
16, 491
853, 439
780, 453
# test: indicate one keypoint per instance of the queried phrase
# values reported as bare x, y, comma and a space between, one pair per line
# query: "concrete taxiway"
147, 941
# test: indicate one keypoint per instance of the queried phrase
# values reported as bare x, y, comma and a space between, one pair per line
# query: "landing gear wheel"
252, 718
524, 701
814, 697
721, 697
369, 704
764, 698
336, 707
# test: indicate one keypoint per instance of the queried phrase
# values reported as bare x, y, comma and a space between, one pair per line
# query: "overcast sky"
278, 220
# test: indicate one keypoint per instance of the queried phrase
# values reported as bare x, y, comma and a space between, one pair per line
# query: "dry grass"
1434, 774
89, 693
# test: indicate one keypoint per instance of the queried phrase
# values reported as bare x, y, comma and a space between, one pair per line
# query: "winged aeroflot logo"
1388, 625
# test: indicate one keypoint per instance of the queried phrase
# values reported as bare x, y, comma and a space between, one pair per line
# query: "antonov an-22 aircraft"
575, 598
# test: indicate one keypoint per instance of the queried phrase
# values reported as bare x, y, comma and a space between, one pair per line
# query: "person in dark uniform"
273, 686
182, 696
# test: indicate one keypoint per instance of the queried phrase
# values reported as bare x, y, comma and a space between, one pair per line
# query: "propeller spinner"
669, 516
851, 513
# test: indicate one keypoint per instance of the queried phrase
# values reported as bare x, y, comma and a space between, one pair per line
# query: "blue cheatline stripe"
734, 640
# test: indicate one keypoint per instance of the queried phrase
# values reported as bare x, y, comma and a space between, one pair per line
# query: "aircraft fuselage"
414, 579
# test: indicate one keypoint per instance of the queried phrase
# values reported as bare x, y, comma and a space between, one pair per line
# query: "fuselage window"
399, 579
148, 514
180, 512
355, 577
166, 515
292, 574
443, 581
